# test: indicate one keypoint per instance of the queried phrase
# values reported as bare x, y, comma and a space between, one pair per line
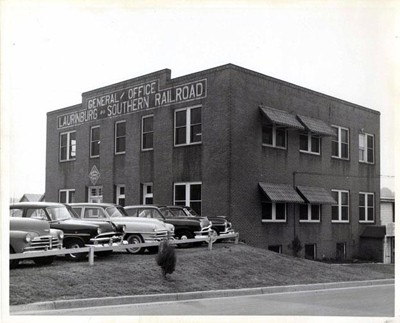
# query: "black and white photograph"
198, 160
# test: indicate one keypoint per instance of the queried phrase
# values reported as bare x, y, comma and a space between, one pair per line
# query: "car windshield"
190, 212
166, 212
116, 212
59, 213
179, 212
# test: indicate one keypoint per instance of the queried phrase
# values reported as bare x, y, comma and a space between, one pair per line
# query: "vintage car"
29, 236
185, 227
136, 230
77, 233
220, 225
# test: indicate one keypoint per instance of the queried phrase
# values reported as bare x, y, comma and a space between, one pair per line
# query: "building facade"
279, 160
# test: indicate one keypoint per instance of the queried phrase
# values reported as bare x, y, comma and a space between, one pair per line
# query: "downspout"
294, 207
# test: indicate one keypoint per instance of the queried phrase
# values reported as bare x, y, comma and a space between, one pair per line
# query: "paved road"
354, 301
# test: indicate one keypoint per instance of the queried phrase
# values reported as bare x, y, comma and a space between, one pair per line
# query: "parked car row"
76, 225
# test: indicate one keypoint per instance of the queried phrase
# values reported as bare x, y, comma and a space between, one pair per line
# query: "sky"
53, 51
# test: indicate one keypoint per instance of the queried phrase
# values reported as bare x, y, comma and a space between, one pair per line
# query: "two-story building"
279, 160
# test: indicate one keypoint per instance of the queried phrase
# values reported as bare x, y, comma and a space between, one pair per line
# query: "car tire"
13, 263
42, 261
133, 239
71, 244
184, 235
102, 254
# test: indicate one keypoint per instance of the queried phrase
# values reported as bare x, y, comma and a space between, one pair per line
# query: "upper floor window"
274, 136
68, 146
188, 194
120, 137
340, 210
147, 132
340, 143
366, 207
366, 148
147, 193
310, 143
66, 196
95, 141
273, 212
120, 195
187, 126
310, 212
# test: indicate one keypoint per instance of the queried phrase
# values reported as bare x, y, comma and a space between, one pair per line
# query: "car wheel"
41, 261
103, 253
134, 239
214, 235
72, 244
184, 235
13, 263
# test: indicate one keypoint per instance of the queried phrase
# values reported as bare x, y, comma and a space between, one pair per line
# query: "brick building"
278, 159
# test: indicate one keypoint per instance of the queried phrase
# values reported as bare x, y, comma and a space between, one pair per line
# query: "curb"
140, 299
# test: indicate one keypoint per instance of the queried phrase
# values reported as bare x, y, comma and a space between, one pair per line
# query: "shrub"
166, 258
295, 246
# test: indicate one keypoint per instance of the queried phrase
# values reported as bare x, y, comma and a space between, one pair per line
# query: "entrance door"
341, 251
95, 194
310, 251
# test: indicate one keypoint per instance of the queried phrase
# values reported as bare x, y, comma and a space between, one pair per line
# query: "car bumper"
109, 238
202, 233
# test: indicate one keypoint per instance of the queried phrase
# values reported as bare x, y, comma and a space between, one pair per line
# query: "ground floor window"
341, 251
276, 248
310, 251
310, 212
66, 196
188, 194
120, 195
273, 212
147, 193
95, 194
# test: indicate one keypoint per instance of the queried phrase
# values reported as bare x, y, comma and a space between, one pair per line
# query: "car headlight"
201, 224
28, 238
124, 228
154, 229
61, 235
99, 230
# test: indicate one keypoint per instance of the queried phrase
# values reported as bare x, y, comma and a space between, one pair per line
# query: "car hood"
140, 222
73, 225
41, 227
105, 226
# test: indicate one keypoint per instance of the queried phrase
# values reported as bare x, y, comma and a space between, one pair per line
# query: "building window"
310, 212
340, 210
66, 196
120, 195
310, 143
147, 193
341, 251
273, 212
68, 146
147, 133
366, 148
340, 143
274, 136
95, 141
188, 126
275, 248
95, 194
120, 136
310, 251
188, 194
366, 207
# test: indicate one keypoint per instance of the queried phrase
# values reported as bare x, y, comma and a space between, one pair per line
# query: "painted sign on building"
133, 99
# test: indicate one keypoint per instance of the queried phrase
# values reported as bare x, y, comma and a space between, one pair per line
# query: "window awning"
374, 231
316, 126
281, 193
281, 117
316, 195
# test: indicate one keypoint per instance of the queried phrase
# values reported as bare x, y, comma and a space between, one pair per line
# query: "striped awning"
281, 193
281, 117
316, 195
316, 126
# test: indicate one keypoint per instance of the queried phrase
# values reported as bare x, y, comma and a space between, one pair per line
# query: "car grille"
44, 243
160, 234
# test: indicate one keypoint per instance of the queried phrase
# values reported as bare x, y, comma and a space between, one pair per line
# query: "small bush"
295, 246
166, 258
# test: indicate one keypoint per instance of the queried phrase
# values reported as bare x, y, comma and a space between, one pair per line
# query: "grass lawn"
227, 266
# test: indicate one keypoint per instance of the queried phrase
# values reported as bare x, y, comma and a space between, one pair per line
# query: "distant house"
32, 198
388, 219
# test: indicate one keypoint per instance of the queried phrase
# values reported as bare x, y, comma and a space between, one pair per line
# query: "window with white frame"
274, 136
310, 143
187, 126
95, 141
68, 146
120, 195
66, 196
310, 212
95, 194
340, 143
273, 212
147, 132
366, 207
340, 210
147, 193
366, 148
188, 194
120, 137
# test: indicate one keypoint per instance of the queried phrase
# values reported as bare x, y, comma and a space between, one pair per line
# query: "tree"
166, 258
295, 246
